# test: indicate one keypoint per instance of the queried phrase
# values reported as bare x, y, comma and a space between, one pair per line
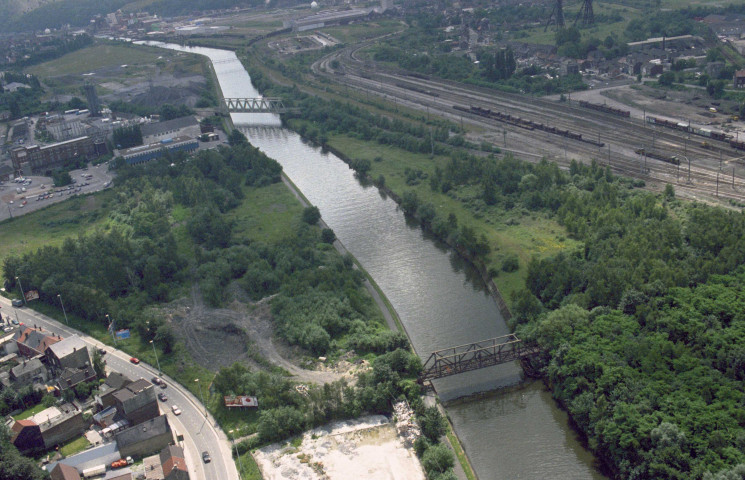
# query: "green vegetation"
13, 465
74, 446
30, 412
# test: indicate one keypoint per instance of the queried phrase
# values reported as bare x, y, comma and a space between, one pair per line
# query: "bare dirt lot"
244, 333
365, 449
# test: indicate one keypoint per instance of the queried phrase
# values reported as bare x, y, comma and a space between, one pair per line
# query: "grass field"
51, 225
267, 214
99, 56
30, 412
361, 31
74, 446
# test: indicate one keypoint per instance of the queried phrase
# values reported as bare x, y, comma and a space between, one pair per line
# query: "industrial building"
145, 153
178, 127
41, 159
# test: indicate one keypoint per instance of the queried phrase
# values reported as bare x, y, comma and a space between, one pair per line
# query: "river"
508, 434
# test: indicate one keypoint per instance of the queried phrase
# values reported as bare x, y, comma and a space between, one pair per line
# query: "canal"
509, 433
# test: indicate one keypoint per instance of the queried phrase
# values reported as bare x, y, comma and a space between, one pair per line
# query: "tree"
433, 424
438, 459
236, 137
666, 79
311, 215
327, 235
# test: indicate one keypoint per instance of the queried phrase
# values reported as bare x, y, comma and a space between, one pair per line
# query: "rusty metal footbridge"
473, 356
256, 105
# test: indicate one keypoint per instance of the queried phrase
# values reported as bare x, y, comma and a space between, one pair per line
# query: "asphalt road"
200, 431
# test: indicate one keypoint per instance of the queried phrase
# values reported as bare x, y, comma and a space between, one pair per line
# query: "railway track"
622, 135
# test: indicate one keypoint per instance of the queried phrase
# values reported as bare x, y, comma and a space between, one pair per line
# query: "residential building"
70, 352
64, 472
145, 438
173, 463
26, 436
136, 402
59, 424
72, 377
48, 428
739, 79
29, 371
34, 341
114, 382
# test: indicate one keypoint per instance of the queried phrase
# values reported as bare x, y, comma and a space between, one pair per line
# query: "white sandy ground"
364, 449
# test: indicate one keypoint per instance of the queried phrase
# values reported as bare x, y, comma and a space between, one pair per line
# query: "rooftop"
68, 345
145, 430
132, 390
27, 366
159, 128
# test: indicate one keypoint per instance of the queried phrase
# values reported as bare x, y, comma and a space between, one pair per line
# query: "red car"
134, 360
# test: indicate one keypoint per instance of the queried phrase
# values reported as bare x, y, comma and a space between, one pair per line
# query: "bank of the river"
440, 298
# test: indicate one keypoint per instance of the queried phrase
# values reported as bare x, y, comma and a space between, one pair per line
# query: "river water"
512, 433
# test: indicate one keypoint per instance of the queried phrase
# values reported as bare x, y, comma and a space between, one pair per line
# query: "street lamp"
111, 327
240, 466
152, 342
196, 380
63, 308
21, 287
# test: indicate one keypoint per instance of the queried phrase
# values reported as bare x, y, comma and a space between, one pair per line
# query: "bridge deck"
255, 105
473, 356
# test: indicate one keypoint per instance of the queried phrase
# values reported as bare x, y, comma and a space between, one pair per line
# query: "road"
200, 431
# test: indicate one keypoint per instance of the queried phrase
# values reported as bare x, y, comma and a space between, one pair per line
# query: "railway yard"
701, 163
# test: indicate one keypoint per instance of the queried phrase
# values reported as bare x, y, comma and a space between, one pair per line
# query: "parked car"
156, 381
134, 360
162, 397
17, 302
206, 457
176, 410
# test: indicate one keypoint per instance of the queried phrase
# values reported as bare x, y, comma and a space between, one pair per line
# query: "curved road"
200, 432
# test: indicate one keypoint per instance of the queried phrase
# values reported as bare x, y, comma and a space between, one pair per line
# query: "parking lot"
39, 191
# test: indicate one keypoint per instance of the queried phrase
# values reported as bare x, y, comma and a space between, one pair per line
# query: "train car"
737, 145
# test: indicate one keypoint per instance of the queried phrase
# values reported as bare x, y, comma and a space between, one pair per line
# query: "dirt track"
218, 338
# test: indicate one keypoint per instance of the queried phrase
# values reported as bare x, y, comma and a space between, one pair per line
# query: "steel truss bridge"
256, 105
473, 356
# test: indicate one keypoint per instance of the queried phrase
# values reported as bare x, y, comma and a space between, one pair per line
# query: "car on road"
134, 360
17, 302
156, 381
176, 410
162, 397
206, 457
102, 352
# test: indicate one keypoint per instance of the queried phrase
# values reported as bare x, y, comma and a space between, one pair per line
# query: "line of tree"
125, 137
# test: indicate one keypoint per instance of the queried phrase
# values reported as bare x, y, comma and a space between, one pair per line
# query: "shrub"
510, 263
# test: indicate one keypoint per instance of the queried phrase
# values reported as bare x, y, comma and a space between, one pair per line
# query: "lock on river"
509, 433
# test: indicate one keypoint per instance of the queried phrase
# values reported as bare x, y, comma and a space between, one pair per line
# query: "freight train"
683, 127
605, 108
659, 156
525, 123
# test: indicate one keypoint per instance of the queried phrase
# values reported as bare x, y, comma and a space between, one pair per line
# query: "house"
34, 341
739, 79
145, 438
114, 382
72, 377
136, 402
26, 436
173, 463
70, 352
30, 371
125, 474
59, 424
178, 127
64, 472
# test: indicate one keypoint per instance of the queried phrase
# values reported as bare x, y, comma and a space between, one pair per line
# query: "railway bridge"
256, 105
473, 356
